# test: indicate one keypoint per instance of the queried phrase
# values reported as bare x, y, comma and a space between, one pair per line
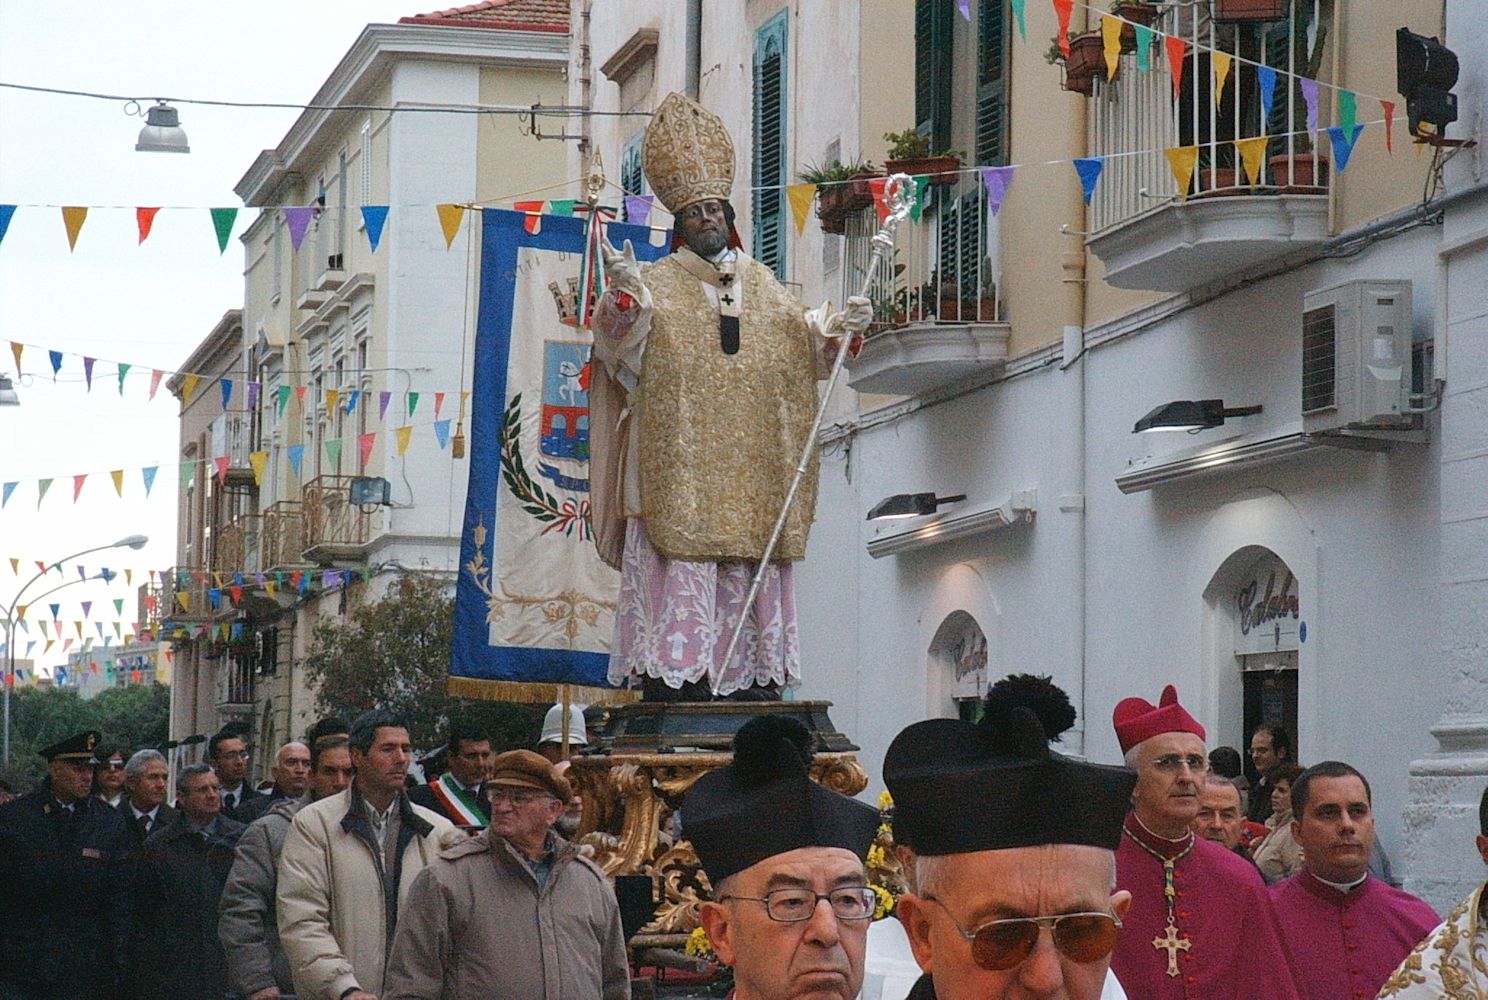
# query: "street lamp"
135, 542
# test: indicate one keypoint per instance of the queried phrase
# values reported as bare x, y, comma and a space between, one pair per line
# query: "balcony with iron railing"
336, 529
1148, 233
283, 539
232, 436
236, 545
234, 681
937, 314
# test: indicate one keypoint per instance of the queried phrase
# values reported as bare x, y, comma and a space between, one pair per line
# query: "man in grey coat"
248, 925
514, 912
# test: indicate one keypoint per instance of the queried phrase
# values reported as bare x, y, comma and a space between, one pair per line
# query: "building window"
277, 238
341, 178
364, 163
632, 175
958, 654
769, 144
832, 244
991, 148
935, 21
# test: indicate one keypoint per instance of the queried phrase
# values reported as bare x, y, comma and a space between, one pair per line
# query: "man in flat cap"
791, 902
516, 911
1009, 849
702, 404
1200, 923
65, 923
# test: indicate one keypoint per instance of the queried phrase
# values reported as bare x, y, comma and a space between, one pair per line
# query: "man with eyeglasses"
229, 756
1008, 850
291, 773
516, 911
791, 902
1200, 924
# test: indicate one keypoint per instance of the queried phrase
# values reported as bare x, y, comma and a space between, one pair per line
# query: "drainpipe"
1072, 502
693, 54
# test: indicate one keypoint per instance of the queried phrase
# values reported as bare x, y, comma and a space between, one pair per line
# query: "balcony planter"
1086, 60
1300, 173
1219, 182
1250, 11
941, 170
833, 205
1135, 14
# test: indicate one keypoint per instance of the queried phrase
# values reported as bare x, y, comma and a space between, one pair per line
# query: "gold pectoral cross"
1171, 943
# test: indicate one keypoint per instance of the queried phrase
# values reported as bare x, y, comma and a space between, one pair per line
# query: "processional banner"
535, 606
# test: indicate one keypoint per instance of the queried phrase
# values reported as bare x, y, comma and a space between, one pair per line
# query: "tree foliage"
134, 716
394, 653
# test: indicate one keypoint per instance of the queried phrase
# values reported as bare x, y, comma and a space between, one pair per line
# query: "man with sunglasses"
1009, 851
791, 903
1200, 922
516, 911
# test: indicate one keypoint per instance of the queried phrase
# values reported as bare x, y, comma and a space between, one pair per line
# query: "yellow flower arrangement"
876, 858
885, 902
885, 801
698, 944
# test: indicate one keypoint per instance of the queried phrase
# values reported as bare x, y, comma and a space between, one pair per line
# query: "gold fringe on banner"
473, 687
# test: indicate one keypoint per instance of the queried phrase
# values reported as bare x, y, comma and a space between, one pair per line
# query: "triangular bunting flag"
1062, 9
123, 371
117, 476
1089, 168
298, 220
296, 455
1175, 49
402, 434
1252, 154
252, 396
42, 485
1266, 84
332, 400
364, 444
1388, 107
227, 389
351, 400
259, 460
382, 404
188, 386
1110, 29
88, 372
6, 212
283, 393
5, 492
16, 348
800, 196
533, 209
880, 202
638, 208
996, 181
441, 432
438, 403
1144, 38
73, 217
77, 486
1343, 145
118, 605
1182, 160
155, 377
450, 217
1310, 95
55, 357
1018, 13
222, 223
188, 469
299, 392
561, 206
1221, 63
373, 217
87, 607
221, 462
333, 452
144, 219
413, 399
1348, 110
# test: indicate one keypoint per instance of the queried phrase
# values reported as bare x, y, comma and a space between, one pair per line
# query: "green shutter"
959, 249
769, 144
934, 25
992, 83
632, 176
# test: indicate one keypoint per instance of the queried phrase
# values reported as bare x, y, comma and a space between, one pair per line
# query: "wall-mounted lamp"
1192, 415
162, 132
1425, 73
8, 396
910, 505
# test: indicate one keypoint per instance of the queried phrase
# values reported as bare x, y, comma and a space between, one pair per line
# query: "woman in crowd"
1277, 854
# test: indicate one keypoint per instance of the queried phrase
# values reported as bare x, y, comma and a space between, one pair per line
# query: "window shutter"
934, 24
992, 84
632, 176
769, 145
959, 249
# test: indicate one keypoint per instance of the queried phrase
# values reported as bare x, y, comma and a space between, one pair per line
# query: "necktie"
227, 801
144, 825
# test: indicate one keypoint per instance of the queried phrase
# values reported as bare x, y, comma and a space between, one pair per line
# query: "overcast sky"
147, 305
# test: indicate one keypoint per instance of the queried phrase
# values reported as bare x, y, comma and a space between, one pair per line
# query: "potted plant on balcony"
1087, 59
909, 153
1303, 171
837, 196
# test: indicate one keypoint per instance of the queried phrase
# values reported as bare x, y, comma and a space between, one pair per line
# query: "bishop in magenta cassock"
1347, 930
1200, 926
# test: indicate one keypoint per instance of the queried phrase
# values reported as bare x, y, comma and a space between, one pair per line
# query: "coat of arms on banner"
535, 604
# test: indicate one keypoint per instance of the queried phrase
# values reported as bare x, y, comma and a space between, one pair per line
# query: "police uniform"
63, 893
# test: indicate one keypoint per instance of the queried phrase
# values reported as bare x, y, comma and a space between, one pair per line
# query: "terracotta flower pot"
1218, 182
1134, 13
832, 207
1087, 58
1300, 173
941, 170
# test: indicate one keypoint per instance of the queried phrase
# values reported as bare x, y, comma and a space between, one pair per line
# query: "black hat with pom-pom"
765, 803
960, 787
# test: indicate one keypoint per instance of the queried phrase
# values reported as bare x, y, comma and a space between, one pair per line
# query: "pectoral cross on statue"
1171, 943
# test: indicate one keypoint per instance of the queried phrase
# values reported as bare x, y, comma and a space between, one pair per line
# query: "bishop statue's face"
704, 227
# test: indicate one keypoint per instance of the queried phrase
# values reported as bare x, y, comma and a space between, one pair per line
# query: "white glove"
856, 317
622, 271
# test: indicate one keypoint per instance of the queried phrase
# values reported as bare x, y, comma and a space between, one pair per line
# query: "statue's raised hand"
622, 270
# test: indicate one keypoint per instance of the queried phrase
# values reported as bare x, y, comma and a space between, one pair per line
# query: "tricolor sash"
459, 803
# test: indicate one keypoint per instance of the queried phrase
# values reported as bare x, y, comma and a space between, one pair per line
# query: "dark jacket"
252, 808
250, 795
423, 795
164, 817
177, 954
64, 911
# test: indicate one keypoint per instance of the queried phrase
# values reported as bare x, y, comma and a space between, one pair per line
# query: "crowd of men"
1029, 873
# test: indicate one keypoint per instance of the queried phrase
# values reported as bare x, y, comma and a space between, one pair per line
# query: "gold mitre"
687, 154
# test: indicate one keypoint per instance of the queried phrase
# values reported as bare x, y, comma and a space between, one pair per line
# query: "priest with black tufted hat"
1010, 850
785, 858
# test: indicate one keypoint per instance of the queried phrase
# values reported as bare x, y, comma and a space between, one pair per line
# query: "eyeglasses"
1000, 945
791, 906
516, 797
1171, 762
234, 754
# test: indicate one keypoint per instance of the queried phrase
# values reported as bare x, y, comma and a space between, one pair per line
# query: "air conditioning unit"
1356, 357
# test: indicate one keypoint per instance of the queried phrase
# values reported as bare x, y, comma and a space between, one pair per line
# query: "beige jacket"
478, 925
1278, 855
336, 907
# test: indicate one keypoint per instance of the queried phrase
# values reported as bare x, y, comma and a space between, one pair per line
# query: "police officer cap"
84, 747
